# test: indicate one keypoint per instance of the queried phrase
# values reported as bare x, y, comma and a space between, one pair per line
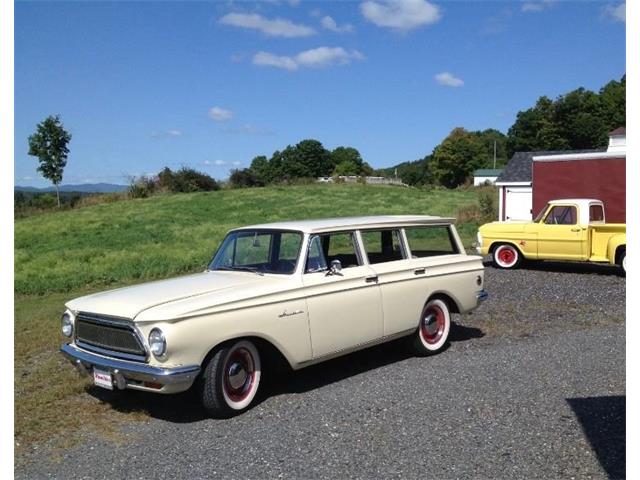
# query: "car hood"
129, 302
503, 227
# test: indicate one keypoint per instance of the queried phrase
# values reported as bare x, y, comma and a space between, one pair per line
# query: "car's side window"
431, 241
382, 245
561, 215
325, 248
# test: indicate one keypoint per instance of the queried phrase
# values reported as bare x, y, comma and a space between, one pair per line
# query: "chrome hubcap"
237, 375
430, 324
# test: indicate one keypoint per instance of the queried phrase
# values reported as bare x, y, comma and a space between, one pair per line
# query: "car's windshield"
260, 251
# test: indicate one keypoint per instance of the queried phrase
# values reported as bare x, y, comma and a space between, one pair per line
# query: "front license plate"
102, 379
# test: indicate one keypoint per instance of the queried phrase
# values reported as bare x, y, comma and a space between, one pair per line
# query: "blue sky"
211, 85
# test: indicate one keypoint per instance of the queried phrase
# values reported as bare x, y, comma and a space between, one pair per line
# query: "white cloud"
237, 163
402, 15
320, 57
330, 24
266, 59
220, 114
316, 12
167, 133
534, 7
277, 27
618, 13
449, 80
219, 162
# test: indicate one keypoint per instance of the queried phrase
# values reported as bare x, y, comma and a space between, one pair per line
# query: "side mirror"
336, 268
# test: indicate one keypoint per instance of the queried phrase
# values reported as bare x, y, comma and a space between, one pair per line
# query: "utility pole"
494, 154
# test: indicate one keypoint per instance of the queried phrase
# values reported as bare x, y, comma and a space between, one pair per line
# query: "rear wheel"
231, 379
434, 327
506, 256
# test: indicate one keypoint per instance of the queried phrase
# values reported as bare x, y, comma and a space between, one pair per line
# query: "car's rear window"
431, 241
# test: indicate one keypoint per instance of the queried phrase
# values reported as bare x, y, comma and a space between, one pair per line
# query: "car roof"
351, 223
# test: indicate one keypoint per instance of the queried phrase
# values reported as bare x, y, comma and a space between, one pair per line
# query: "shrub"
488, 200
469, 214
190, 180
142, 187
244, 178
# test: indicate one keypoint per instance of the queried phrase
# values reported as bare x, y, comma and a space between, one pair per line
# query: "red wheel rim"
239, 374
432, 324
506, 256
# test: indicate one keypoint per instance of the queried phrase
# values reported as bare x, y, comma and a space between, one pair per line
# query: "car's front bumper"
139, 376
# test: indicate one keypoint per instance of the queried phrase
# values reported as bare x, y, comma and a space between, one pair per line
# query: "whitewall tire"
231, 379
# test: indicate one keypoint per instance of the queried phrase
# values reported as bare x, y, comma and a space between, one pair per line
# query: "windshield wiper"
241, 269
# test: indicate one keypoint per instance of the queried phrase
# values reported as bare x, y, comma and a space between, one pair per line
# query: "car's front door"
559, 235
344, 306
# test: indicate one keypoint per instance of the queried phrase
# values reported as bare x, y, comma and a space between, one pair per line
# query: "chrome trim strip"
110, 353
85, 361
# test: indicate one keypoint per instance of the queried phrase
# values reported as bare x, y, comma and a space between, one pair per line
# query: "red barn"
600, 175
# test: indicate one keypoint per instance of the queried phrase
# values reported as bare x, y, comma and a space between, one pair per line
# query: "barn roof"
618, 131
519, 167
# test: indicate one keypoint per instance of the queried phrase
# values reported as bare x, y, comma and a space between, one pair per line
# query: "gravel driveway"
533, 385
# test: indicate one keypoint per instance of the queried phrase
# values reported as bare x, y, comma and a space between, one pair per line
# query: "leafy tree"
580, 119
313, 159
489, 138
346, 167
49, 144
346, 154
261, 170
457, 157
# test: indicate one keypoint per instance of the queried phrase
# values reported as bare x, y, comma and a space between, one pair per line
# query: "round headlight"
67, 324
157, 342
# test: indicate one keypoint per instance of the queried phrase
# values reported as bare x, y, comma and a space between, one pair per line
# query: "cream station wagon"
302, 291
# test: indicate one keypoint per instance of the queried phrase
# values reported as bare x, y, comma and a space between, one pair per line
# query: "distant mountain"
84, 188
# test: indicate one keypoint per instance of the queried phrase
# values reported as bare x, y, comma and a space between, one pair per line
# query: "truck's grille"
108, 335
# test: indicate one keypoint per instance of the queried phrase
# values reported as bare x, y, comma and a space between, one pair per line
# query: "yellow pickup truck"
570, 229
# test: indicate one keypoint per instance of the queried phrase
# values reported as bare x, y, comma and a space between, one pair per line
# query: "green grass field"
62, 255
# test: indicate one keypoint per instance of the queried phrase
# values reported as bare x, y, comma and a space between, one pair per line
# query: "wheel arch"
270, 354
446, 297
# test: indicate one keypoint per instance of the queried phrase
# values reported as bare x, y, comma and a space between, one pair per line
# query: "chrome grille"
108, 335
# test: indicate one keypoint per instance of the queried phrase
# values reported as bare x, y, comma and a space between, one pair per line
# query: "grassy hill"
136, 240
62, 255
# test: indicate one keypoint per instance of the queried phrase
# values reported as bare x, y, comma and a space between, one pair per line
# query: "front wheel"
433, 331
622, 261
506, 256
230, 379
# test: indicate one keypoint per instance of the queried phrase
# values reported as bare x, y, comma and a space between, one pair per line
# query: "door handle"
576, 229
419, 271
373, 279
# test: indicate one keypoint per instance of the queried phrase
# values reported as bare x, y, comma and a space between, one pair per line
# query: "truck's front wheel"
506, 256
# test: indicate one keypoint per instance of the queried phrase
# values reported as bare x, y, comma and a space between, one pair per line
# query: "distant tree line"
306, 159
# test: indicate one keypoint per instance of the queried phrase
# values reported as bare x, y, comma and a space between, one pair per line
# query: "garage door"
518, 203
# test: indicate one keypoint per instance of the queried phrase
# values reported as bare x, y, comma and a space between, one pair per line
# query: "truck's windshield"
260, 251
